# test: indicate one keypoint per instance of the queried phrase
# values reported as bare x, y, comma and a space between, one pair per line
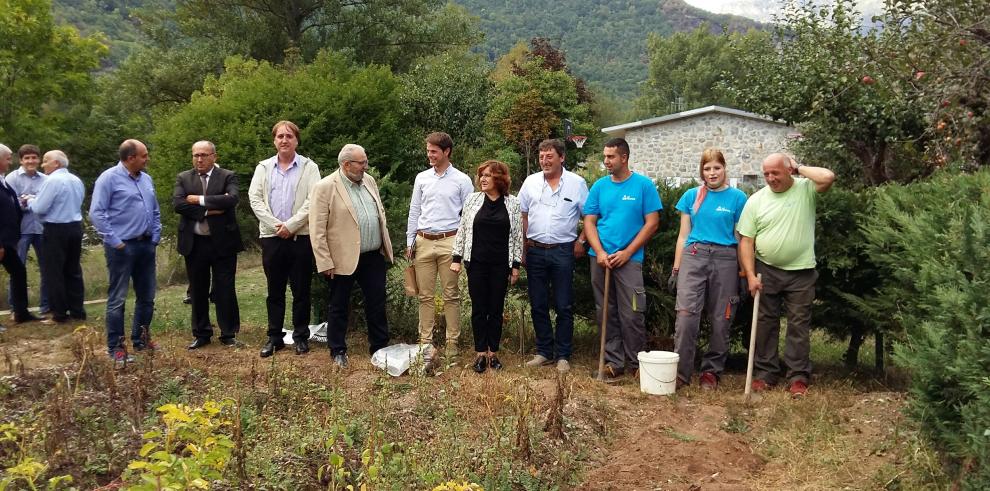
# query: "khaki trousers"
433, 257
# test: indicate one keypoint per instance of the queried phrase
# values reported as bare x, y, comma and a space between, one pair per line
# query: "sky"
762, 10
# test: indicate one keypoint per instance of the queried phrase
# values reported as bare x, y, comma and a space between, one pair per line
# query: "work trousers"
432, 258
708, 281
625, 333
288, 261
789, 292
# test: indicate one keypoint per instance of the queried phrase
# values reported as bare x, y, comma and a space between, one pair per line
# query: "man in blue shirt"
620, 216
58, 204
551, 202
26, 181
125, 213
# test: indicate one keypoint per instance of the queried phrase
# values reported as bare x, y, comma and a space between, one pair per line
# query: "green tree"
531, 102
333, 100
942, 49
686, 68
45, 73
819, 73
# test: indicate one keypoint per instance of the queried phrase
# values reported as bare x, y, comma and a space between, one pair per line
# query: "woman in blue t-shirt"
706, 269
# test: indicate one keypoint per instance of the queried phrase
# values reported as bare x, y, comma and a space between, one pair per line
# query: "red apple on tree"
868, 80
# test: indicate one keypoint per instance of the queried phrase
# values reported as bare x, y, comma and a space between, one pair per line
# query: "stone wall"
671, 150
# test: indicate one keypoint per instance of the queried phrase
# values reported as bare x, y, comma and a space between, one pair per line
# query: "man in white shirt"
434, 214
552, 202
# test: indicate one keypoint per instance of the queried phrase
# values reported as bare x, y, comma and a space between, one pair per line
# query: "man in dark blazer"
206, 197
10, 233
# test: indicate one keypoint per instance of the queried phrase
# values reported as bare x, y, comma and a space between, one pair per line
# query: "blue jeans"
135, 261
552, 271
28, 240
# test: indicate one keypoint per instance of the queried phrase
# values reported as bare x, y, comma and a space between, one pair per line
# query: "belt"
141, 238
541, 245
441, 235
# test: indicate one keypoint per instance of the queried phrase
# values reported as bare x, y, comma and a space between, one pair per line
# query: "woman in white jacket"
489, 243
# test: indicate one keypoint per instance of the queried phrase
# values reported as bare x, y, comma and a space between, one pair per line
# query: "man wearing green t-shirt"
777, 230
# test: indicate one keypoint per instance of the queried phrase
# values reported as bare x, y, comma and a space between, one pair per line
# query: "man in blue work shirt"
125, 213
58, 205
620, 217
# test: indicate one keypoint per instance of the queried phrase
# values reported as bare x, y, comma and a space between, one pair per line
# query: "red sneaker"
759, 385
708, 381
798, 389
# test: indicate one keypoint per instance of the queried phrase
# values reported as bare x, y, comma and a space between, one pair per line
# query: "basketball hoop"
578, 140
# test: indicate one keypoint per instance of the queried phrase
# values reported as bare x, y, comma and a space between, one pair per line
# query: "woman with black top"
489, 242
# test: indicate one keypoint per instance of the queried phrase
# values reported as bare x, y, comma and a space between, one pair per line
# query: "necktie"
203, 226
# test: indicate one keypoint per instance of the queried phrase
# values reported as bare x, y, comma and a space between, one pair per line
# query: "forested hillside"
605, 40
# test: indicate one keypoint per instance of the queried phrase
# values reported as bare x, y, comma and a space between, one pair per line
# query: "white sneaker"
563, 365
538, 360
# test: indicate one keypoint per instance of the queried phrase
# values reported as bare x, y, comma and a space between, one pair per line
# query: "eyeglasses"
359, 162
202, 155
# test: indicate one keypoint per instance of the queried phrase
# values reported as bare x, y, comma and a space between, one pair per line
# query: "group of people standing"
336, 225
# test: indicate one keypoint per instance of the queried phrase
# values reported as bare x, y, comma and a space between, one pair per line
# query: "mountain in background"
604, 40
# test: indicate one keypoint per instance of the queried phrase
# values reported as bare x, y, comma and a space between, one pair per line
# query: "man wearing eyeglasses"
551, 201
351, 244
205, 197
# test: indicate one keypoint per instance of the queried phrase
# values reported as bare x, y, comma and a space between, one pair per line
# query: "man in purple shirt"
279, 196
125, 213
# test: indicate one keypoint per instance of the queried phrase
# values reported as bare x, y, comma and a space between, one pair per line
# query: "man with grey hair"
10, 233
58, 204
205, 197
351, 243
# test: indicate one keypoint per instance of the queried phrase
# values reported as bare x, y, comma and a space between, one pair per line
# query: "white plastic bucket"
658, 372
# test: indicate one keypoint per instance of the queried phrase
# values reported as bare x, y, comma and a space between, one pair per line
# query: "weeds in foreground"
23, 469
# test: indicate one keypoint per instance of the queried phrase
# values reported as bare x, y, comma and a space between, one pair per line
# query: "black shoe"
302, 347
270, 348
480, 364
25, 317
187, 300
78, 316
340, 360
232, 342
199, 343
494, 363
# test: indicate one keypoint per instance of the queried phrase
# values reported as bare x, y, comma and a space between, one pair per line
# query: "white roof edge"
688, 114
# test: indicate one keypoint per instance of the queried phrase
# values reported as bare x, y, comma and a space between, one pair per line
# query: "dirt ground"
693, 440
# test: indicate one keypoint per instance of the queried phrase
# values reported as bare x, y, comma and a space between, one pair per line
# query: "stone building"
669, 147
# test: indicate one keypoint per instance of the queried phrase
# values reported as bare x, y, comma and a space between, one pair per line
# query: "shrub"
932, 244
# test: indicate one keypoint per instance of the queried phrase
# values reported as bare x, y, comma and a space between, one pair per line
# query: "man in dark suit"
10, 233
205, 197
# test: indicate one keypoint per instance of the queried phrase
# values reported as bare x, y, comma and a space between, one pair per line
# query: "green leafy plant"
193, 449
25, 469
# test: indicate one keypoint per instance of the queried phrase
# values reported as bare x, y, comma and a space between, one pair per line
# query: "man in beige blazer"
351, 243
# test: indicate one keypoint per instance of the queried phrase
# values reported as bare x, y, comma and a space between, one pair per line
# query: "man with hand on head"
351, 244
279, 195
206, 199
778, 241
58, 204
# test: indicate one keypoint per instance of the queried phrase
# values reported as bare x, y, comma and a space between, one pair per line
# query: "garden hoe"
748, 391
601, 347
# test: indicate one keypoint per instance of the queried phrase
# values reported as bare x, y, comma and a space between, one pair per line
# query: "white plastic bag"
397, 358
317, 332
